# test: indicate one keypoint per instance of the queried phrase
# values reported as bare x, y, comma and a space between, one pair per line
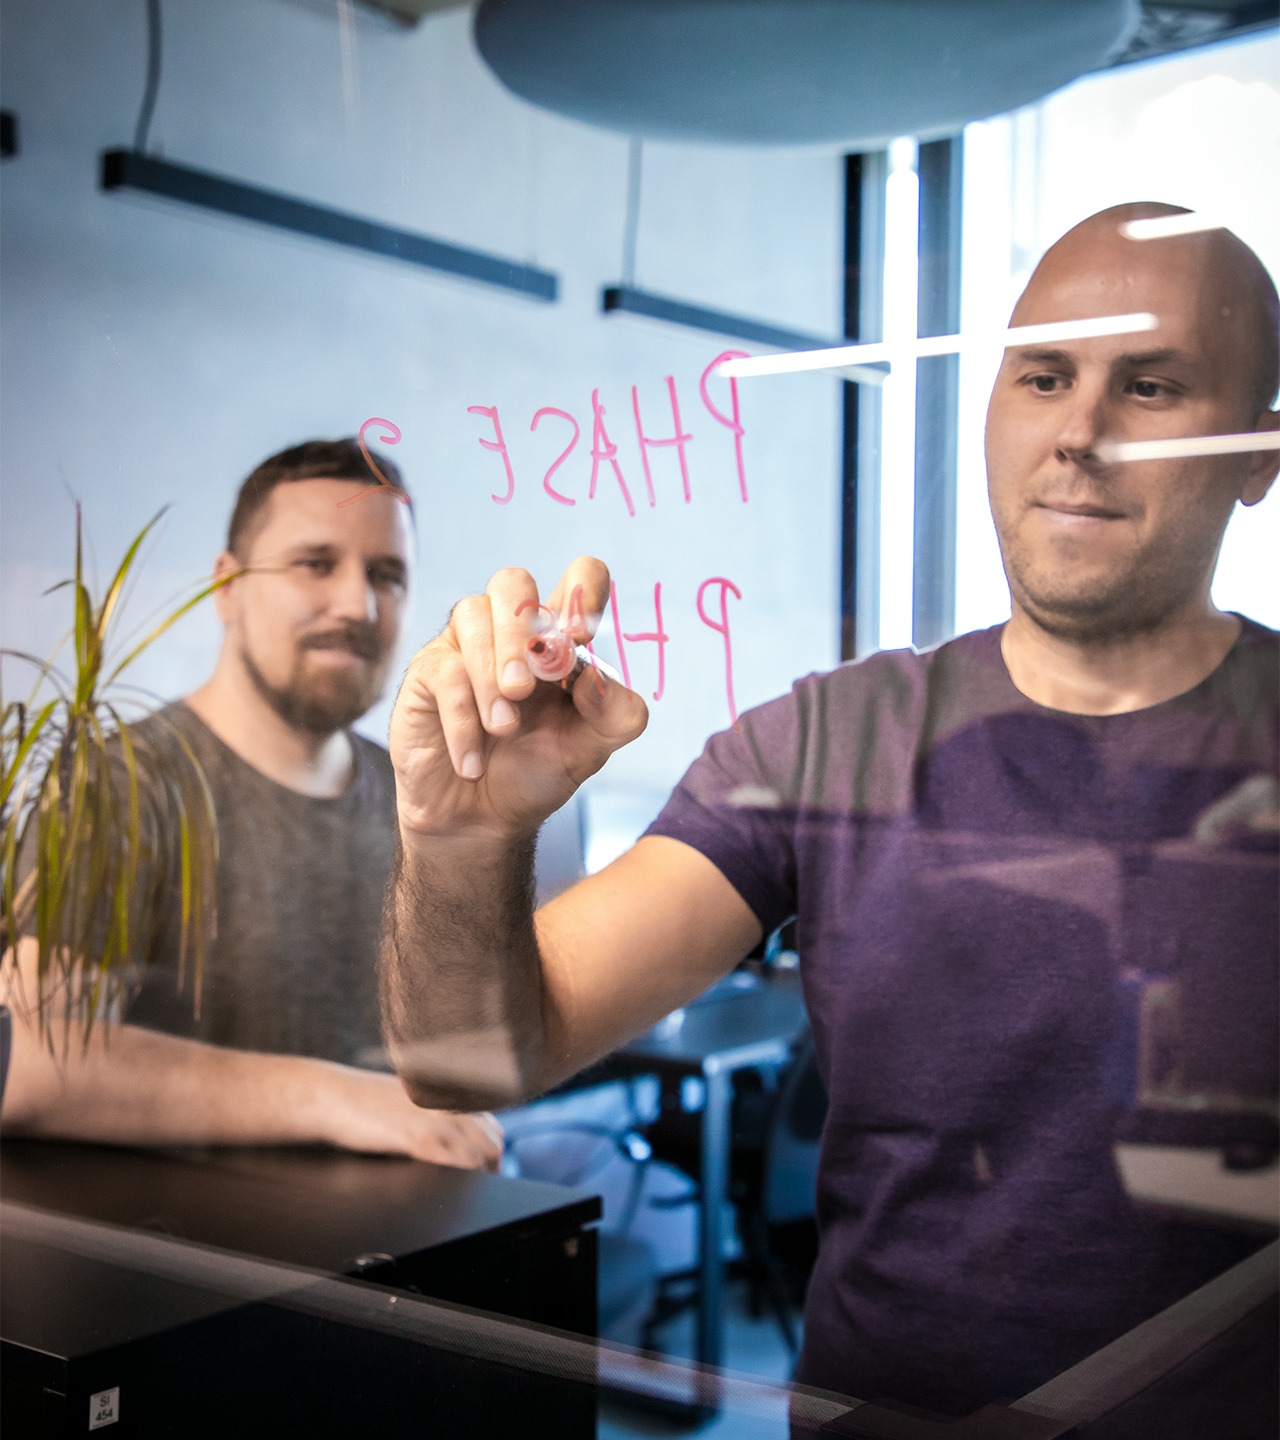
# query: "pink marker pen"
552, 654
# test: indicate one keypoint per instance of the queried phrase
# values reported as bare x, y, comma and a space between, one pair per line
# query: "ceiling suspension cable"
154, 52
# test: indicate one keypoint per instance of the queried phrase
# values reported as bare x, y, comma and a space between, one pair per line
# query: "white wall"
152, 353
1201, 130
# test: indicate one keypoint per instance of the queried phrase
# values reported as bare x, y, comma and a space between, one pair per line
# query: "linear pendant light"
627, 299
129, 170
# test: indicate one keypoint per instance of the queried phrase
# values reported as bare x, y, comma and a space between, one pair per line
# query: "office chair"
776, 1140
794, 1139
777, 1129
574, 1150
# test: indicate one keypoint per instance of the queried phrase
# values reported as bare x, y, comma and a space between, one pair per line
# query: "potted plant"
77, 858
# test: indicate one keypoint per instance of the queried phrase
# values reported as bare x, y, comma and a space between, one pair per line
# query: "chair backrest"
794, 1140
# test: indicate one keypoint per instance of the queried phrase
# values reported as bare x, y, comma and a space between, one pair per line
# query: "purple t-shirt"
984, 891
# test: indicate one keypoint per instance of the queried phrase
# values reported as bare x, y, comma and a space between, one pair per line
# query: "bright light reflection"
1158, 227
1186, 445
898, 433
908, 347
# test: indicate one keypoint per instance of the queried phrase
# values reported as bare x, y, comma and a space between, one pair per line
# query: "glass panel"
680, 1030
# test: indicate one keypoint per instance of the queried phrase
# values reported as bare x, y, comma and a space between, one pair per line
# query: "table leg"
714, 1187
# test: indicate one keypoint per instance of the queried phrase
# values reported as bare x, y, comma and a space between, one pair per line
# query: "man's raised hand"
480, 747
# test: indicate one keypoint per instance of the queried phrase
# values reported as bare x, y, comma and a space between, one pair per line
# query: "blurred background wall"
154, 353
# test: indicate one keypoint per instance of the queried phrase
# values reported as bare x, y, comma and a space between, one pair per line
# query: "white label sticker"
104, 1409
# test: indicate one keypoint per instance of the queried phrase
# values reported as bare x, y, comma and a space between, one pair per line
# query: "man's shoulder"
167, 742
861, 724
1258, 643
174, 726
375, 784
900, 680
175, 713
1247, 684
156, 742
371, 752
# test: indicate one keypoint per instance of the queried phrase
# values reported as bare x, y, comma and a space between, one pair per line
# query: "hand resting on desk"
131, 1086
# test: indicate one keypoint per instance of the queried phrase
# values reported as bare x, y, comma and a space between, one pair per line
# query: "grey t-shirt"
293, 968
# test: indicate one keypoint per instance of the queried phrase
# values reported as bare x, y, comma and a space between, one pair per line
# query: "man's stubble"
1107, 605
324, 702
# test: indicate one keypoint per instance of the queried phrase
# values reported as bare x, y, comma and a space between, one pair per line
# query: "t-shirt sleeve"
737, 805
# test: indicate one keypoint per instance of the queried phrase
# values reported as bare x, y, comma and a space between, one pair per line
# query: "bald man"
1001, 854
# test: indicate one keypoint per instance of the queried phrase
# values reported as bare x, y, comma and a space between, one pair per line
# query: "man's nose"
1083, 424
352, 595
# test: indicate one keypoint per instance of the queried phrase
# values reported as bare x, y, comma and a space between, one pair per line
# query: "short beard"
1137, 603
322, 704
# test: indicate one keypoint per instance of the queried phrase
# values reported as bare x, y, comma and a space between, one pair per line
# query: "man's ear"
1264, 464
226, 564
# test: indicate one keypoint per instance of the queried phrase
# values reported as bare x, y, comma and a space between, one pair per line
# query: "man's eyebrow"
1139, 358
1041, 355
318, 548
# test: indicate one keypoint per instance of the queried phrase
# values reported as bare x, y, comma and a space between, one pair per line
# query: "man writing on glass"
983, 845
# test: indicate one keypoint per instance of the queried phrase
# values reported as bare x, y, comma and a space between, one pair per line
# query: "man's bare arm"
486, 1004
461, 977
481, 1003
627, 946
141, 1087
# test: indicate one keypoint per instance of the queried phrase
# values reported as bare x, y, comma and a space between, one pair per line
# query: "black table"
516, 1247
740, 1024
512, 1247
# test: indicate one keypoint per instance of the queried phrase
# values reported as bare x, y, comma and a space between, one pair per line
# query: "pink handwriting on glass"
551, 650
605, 453
392, 437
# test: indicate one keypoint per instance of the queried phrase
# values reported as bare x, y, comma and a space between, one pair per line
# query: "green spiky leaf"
80, 867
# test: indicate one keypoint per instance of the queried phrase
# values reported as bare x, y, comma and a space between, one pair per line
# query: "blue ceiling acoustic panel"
790, 72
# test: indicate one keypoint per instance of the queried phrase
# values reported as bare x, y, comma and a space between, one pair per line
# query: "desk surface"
726, 1020
67, 1305
318, 1208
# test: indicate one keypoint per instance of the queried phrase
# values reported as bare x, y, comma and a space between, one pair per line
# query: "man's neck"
1114, 676
232, 707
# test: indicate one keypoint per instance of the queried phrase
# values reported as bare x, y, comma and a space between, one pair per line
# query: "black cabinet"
183, 1354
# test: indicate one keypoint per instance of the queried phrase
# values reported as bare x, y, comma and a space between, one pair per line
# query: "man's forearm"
462, 984
136, 1086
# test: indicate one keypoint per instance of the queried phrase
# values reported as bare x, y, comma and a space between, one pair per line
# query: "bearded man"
265, 1052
